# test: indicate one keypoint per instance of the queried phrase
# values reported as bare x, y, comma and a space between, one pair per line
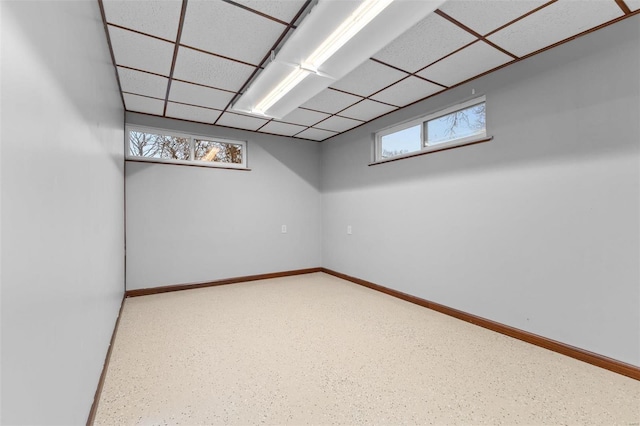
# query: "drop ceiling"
190, 59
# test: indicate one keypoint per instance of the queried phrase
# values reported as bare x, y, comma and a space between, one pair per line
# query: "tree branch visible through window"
185, 148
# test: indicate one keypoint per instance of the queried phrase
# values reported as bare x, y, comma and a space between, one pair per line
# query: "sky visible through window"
157, 145
402, 142
152, 145
460, 124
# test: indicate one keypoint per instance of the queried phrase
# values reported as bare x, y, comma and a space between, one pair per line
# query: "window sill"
188, 164
431, 151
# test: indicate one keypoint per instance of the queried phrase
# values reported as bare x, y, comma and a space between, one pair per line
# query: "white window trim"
421, 121
191, 137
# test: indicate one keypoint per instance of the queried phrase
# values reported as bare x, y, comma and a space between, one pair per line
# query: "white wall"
537, 229
193, 224
62, 209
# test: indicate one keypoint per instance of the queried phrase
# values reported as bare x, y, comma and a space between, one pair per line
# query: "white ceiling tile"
426, 42
368, 78
330, 101
485, 16
283, 10
143, 104
241, 121
142, 83
304, 117
407, 91
367, 110
338, 124
158, 18
210, 70
316, 134
228, 30
142, 52
554, 23
467, 63
633, 4
192, 113
282, 128
199, 95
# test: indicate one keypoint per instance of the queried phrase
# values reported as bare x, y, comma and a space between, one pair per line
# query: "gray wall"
537, 229
193, 224
62, 209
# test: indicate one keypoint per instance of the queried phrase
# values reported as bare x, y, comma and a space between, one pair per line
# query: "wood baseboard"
598, 360
96, 397
553, 345
179, 287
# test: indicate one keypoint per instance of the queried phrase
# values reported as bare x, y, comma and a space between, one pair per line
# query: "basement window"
459, 125
164, 146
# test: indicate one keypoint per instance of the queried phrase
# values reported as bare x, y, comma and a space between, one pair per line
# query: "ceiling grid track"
206, 52
267, 56
378, 87
473, 33
139, 32
521, 17
183, 12
264, 15
623, 6
113, 58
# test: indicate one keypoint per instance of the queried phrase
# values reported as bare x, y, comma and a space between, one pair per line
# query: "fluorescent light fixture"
284, 87
334, 38
364, 14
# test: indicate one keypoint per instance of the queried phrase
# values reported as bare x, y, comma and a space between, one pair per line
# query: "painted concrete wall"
194, 224
537, 229
62, 209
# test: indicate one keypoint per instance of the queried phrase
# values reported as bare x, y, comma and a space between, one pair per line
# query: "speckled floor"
314, 349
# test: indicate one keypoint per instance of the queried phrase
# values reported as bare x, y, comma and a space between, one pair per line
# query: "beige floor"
316, 349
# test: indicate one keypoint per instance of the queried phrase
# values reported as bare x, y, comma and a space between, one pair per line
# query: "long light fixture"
284, 87
345, 32
333, 39
364, 14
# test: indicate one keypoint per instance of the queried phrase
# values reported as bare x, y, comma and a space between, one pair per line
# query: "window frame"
192, 137
422, 122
